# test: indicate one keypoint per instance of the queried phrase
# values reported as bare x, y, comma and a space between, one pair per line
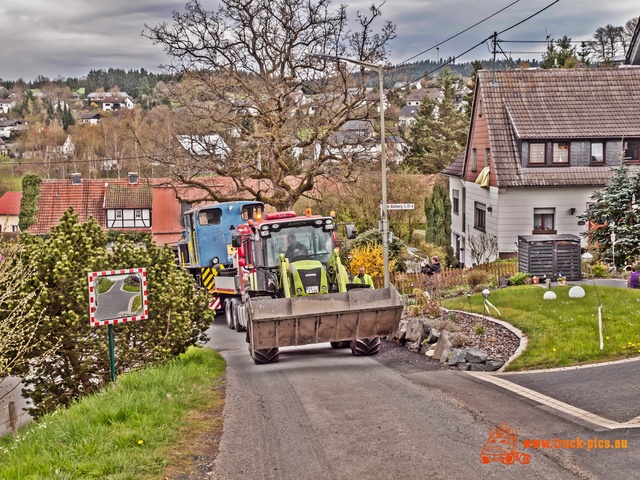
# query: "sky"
67, 38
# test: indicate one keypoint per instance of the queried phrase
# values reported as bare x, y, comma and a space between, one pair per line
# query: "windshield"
307, 241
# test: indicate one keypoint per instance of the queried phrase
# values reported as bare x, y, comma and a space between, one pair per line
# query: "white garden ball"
576, 292
549, 295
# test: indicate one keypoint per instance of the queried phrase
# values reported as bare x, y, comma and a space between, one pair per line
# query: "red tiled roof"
10, 203
87, 200
128, 196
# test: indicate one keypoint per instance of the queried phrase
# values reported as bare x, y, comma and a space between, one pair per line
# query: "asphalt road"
322, 413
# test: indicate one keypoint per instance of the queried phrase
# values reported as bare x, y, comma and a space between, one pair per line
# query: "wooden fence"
447, 278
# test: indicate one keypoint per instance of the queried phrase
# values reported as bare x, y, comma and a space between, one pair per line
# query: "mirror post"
112, 353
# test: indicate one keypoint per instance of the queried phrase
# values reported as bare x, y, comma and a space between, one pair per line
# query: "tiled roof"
128, 196
560, 104
10, 203
456, 168
87, 200
409, 110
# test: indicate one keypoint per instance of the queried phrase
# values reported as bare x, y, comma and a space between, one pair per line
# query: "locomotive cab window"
210, 217
251, 212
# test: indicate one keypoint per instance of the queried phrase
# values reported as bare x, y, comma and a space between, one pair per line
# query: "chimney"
76, 178
133, 178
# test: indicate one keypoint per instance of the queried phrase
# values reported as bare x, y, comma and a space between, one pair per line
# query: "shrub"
477, 277
424, 305
479, 330
600, 270
519, 278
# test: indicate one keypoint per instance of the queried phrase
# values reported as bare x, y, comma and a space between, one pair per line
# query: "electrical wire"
459, 33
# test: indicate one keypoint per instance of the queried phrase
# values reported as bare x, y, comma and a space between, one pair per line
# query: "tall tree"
559, 53
440, 131
244, 69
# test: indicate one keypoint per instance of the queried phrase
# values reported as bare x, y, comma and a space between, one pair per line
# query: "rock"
429, 353
402, 331
443, 347
417, 330
549, 295
473, 355
456, 356
434, 336
493, 365
576, 292
465, 366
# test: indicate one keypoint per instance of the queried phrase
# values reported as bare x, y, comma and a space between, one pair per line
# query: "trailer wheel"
343, 344
236, 317
365, 346
266, 355
228, 314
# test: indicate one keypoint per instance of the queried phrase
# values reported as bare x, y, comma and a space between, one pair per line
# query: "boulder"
493, 365
417, 330
478, 367
473, 355
465, 366
434, 336
443, 347
456, 356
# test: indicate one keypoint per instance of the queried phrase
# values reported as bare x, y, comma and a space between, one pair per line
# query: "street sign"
400, 206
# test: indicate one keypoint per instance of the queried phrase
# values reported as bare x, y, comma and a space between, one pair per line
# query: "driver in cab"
294, 248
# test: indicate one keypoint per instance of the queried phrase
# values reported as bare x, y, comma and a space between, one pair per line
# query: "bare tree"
247, 76
482, 247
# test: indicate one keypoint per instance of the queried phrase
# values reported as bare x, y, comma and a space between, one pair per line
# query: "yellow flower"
140, 442
554, 349
607, 338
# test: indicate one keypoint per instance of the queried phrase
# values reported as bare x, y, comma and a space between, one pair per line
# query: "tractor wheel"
266, 355
344, 344
228, 314
236, 317
365, 346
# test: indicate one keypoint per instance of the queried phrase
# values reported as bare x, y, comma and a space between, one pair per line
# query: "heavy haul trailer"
205, 250
291, 297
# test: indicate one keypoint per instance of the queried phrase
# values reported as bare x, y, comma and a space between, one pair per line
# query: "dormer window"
597, 152
561, 152
537, 154
631, 151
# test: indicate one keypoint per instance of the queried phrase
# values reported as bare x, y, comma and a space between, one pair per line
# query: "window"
544, 220
118, 214
561, 152
455, 204
632, 150
474, 160
537, 154
210, 217
480, 216
487, 151
138, 214
597, 152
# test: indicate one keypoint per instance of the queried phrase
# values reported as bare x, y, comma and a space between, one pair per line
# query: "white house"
540, 143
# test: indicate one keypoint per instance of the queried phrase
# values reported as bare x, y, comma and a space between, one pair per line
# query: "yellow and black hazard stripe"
208, 278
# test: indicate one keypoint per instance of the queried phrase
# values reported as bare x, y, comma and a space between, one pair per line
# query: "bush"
477, 277
600, 270
519, 278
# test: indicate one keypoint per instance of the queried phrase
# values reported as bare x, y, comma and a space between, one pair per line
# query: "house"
204, 145
8, 128
416, 84
100, 96
10, 211
632, 56
407, 115
540, 143
115, 103
7, 104
90, 118
64, 147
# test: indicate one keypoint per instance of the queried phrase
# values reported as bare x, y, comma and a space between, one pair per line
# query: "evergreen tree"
440, 132
30, 194
437, 209
559, 53
616, 209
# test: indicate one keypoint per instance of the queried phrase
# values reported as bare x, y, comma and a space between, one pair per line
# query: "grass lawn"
564, 331
130, 430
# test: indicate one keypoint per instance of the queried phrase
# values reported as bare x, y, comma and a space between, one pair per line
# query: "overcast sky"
70, 37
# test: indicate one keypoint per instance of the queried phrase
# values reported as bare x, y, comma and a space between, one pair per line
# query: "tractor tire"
365, 346
228, 314
234, 314
266, 355
343, 344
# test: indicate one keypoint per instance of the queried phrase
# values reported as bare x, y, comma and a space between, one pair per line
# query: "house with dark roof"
540, 143
10, 211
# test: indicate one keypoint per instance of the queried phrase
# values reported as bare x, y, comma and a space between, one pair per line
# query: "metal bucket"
356, 314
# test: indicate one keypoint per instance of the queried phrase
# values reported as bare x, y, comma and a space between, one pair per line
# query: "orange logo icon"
502, 446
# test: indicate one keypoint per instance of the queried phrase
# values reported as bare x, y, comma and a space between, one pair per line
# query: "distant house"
115, 103
415, 84
407, 116
91, 118
100, 96
204, 145
416, 97
9, 127
7, 104
10, 211
540, 143
64, 147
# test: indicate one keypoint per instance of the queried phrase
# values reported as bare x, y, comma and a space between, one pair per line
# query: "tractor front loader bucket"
356, 314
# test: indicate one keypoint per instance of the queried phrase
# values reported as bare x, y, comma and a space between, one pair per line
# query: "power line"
528, 18
459, 33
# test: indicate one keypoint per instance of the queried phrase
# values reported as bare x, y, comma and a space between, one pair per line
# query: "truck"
292, 289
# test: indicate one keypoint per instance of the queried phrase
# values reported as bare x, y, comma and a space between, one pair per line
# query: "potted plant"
535, 280
562, 281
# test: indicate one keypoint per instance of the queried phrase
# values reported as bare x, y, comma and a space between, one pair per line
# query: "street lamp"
383, 158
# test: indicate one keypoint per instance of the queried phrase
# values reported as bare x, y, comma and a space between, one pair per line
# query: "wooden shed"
547, 256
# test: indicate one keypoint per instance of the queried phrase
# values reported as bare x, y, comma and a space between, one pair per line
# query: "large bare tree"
253, 106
